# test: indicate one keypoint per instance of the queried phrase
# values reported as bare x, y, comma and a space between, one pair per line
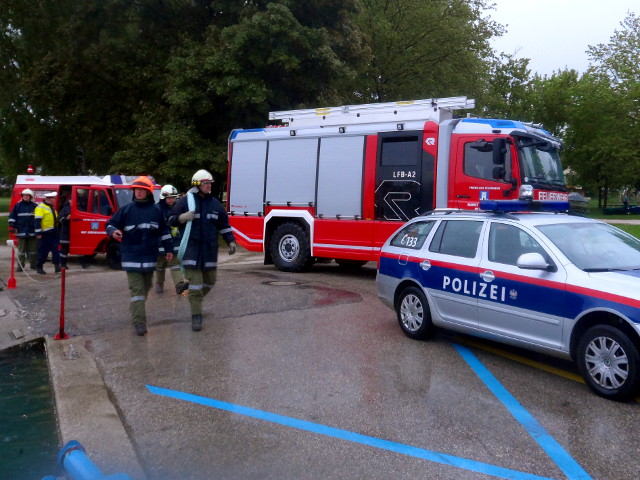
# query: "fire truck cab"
334, 183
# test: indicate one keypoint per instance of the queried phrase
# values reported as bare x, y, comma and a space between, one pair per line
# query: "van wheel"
290, 248
609, 362
113, 256
413, 313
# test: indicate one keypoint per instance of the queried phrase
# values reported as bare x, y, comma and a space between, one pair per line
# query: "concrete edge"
84, 410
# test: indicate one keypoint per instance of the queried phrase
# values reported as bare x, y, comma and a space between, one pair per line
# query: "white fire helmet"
200, 177
27, 191
169, 191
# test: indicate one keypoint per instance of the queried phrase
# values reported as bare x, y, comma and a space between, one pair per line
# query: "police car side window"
413, 235
508, 242
457, 237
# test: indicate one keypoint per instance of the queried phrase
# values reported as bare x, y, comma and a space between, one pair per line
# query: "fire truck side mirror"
499, 151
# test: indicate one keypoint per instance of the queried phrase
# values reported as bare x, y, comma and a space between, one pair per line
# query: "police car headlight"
526, 192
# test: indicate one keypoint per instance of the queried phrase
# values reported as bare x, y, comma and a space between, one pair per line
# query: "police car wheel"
413, 313
290, 249
609, 362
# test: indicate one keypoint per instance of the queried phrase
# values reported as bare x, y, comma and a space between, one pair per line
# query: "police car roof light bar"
511, 206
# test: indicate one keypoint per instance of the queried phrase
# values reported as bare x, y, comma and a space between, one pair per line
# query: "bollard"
74, 460
61, 335
12, 279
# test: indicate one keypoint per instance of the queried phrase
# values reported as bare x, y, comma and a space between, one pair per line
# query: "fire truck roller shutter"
246, 192
291, 171
340, 176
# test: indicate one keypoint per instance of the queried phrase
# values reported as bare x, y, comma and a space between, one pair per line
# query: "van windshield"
124, 195
540, 168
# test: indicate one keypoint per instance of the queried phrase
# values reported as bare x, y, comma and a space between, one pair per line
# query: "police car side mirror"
534, 261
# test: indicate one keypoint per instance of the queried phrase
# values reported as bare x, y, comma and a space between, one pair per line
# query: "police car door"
450, 271
515, 302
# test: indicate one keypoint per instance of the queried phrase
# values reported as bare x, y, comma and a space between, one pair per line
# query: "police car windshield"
595, 247
541, 166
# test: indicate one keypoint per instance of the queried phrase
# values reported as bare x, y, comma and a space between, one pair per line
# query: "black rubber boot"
181, 286
40, 270
196, 323
57, 268
141, 329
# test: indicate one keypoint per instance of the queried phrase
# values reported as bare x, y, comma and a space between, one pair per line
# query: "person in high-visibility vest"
46, 229
141, 228
208, 219
21, 224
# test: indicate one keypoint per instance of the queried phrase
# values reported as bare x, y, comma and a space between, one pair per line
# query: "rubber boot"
57, 268
196, 323
159, 287
141, 329
40, 270
181, 286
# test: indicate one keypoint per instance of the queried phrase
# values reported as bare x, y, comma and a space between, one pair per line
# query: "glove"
187, 216
232, 248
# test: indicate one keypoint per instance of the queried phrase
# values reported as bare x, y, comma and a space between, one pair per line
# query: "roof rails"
436, 109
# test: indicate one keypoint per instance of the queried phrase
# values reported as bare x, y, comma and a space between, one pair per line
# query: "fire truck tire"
350, 264
113, 256
290, 248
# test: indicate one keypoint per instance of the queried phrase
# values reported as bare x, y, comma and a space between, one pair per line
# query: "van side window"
479, 164
100, 204
457, 237
413, 235
82, 199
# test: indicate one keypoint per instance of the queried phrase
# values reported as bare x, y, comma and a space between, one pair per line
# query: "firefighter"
141, 228
168, 197
21, 223
46, 228
201, 218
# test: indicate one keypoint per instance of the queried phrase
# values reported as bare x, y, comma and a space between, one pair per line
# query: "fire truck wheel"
290, 249
113, 256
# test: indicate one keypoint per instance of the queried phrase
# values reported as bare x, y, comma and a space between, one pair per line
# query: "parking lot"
309, 376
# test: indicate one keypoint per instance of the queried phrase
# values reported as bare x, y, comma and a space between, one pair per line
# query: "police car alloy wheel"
609, 362
414, 315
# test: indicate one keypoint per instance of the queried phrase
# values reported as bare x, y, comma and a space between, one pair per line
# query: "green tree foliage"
603, 131
419, 49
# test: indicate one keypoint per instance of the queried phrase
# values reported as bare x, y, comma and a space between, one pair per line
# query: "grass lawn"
4, 204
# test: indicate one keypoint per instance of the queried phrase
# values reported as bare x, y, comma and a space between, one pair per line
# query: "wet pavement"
305, 376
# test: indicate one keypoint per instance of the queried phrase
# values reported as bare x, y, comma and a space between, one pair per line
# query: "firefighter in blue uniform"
46, 226
21, 224
200, 225
168, 197
141, 227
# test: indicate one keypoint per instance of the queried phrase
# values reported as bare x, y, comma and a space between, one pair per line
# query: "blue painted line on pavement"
400, 448
559, 455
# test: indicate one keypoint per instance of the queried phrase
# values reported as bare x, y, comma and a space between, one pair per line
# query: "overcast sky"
555, 34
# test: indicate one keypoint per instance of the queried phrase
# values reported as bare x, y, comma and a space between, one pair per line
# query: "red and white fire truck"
93, 201
334, 183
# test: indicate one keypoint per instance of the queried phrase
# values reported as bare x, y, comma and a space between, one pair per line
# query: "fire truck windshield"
540, 166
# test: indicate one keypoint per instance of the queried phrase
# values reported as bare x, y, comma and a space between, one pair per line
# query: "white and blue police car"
556, 283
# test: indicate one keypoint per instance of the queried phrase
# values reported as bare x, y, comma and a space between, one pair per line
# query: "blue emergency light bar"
512, 206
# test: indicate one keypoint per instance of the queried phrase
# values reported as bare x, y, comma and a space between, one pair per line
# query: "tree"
424, 49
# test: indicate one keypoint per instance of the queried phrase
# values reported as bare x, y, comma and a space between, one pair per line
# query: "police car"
555, 283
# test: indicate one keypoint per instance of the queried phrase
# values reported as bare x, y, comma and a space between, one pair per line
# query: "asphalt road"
309, 376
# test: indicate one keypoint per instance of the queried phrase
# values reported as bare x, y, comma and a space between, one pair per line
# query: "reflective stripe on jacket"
45, 218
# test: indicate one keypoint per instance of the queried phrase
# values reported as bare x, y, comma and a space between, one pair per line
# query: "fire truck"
93, 201
335, 182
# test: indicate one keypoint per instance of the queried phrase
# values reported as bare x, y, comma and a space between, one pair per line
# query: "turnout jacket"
210, 220
143, 229
21, 219
45, 218
175, 231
